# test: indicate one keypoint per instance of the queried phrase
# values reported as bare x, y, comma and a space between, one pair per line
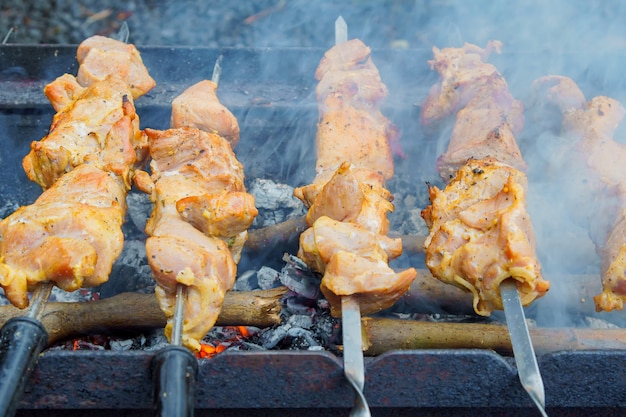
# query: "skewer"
176, 365
523, 351
353, 367
22, 339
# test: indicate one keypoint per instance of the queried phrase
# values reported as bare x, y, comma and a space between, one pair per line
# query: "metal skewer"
176, 366
527, 367
353, 366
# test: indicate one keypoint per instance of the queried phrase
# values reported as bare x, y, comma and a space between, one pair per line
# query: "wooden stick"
267, 237
381, 335
134, 311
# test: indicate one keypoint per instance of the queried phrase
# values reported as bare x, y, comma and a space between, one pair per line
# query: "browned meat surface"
99, 57
198, 106
198, 225
70, 235
96, 125
480, 230
594, 159
486, 116
348, 202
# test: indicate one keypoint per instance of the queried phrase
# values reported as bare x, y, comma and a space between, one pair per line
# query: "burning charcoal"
268, 278
296, 276
275, 202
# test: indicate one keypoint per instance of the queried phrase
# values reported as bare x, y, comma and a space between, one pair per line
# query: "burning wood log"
382, 335
134, 311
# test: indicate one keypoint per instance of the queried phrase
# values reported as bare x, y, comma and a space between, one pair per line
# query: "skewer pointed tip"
123, 33
217, 70
341, 30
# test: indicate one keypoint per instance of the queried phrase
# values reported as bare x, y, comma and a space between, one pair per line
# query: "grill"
270, 90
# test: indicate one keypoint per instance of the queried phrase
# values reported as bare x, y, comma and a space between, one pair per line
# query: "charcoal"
268, 278
275, 202
296, 276
246, 281
300, 320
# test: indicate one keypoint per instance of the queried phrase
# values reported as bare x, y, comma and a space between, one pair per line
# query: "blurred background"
559, 25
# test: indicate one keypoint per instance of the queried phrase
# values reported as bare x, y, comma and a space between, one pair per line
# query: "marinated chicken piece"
351, 124
463, 73
100, 57
198, 225
356, 196
608, 232
348, 202
475, 94
354, 261
480, 231
593, 160
71, 235
198, 106
481, 234
96, 125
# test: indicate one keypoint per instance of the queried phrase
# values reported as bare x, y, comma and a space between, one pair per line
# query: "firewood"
134, 311
383, 334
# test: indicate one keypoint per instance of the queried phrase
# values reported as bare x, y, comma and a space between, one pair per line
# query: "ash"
275, 202
306, 320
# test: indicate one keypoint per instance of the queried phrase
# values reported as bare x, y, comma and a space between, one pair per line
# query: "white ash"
268, 278
596, 323
275, 202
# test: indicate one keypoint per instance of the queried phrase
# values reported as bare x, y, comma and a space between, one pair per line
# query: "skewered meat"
201, 212
487, 117
99, 57
481, 234
347, 201
96, 125
70, 235
593, 159
480, 231
198, 106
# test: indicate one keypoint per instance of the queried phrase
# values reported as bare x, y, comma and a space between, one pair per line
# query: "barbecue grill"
270, 90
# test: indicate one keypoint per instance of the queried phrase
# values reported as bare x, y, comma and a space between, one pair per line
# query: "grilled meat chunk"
486, 116
480, 231
71, 235
594, 160
348, 202
198, 225
100, 57
481, 234
96, 125
198, 106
